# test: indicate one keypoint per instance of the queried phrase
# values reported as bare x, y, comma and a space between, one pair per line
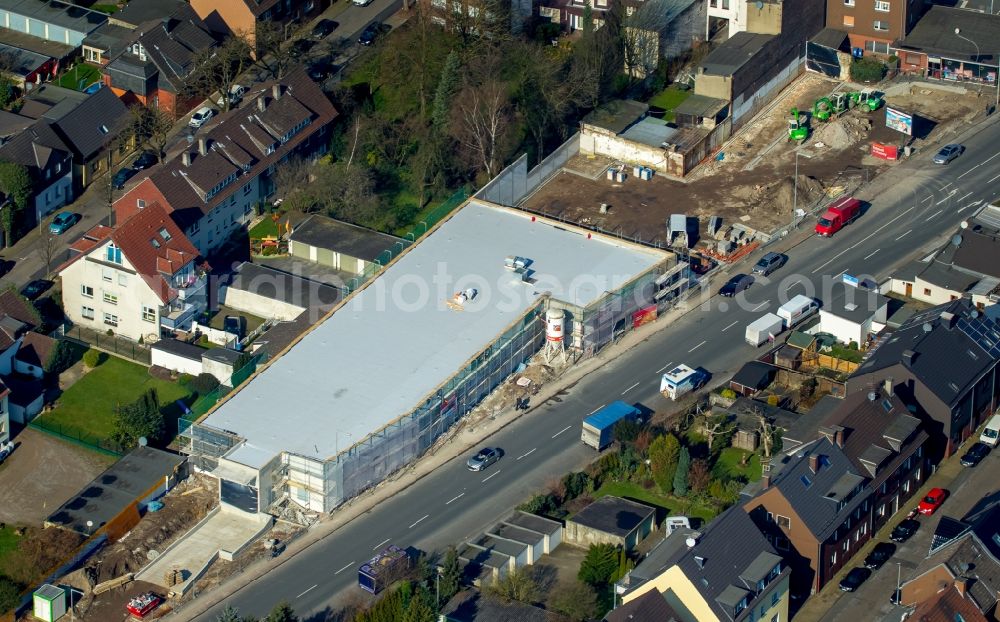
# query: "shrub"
575, 484
203, 384
539, 504
807, 388
728, 393
773, 400
577, 601
63, 356
867, 69
10, 594
627, 430
681, 474
94, 358
109, 333
185, 379
663, 455
600, 565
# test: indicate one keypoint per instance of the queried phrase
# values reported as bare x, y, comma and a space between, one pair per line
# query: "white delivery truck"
991, 432
764, 328
680, 380
797, 309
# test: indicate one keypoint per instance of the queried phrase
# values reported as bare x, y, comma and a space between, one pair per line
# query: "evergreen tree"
681, 475
599, 566
229, 614
447, 85
420, 609
282, 612
663, 454
451, 576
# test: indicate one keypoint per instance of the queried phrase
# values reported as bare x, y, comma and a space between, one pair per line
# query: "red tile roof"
153, 255
948, 605
85, 244
36, 349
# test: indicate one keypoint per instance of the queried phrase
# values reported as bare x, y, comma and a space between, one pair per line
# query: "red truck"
839, 213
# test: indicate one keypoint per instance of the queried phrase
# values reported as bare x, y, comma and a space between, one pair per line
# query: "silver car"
483, 459
948, 153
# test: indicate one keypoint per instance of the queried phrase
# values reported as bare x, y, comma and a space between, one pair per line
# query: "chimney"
908, 357
948, 319
962, 585
186, 158
203, 146
276, 90
813, 463
838, 436
261, 104
887, 383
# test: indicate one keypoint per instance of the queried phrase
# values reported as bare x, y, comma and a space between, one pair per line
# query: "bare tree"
641, 35
717, 427
47, 247
151, 128
267, 47
218, 69
484, 114
766, 430
291, 184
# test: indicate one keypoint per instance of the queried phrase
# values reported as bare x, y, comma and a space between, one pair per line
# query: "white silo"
555, 325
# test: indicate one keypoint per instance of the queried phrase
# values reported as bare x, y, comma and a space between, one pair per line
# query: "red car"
929, 504
141, 605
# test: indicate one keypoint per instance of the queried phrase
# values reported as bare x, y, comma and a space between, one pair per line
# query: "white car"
236, 93
6, 448
361, 2
201, 116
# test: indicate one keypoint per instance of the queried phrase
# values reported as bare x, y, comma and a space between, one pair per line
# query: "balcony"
178, 315
190, 286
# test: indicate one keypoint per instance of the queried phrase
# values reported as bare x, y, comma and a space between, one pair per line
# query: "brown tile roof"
155, 262
14, 305
258, 7
85, 244
947, 605
36, 349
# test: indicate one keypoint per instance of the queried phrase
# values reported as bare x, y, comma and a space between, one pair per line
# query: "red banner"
886, 152
642, 316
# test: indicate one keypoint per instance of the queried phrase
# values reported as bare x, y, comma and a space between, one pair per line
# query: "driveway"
42, 474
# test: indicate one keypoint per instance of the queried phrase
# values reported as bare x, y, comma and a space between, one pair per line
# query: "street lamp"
958, 33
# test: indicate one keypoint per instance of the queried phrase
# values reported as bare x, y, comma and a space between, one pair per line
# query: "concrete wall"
594, 140
262, 306
765, 20
223, 372
581, 535
179, 364
22, 415
216, 336
719, 87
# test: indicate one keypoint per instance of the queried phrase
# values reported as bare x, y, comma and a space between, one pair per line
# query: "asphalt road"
922, 206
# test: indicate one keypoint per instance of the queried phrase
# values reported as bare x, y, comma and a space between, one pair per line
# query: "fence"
515, 182
205, 403
74, 435
112, 344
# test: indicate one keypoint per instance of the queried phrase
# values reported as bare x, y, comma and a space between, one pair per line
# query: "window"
917, 476
848, 2
107, 274
770, 517
246, 189
123, 280
148, 314
87, 312
155, 242
140, 203
880, 25
781, 544
833, 559
849, 21
110, 298
775, 597
114, 255
165, 234
783, 521
110, 320
86, 291
882, 6
906, 486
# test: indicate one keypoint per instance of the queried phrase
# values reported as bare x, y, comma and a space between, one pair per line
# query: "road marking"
872, 254
965, 197
560, 431
728, 327
875, 232
904, 235
973, 204
662, 368
630, 388
928, 198
994, 179
455, 498
991, 157
307, 591
932, 216
349, 564
381, 544
595, 410
527, 454
761, 305
947, 198
830, 260
946, 185
419, 520
697, 346
969, 171
495, 473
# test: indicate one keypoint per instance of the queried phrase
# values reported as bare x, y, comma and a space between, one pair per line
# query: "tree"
700, 475
766, 430
419, 609
151, 128
291, 184
483, 114
681, 474
625, 565
599, 566
450, 580
282, 612
141, 418
218, 69
576, 600
266, 44
62, 357
15, 182
663, 454
718, 432
518, 585
10, 594
448, 83
229, 614
575, 484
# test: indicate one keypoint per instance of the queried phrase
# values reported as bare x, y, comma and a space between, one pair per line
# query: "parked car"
373, 32
301, 47
882, 552
62, 222
320, 71
145, 160
854, 579
975, 454
236, 93
929, 504
361, 2
904, 530
947, 154
769, 263
201, 117
736, 285
324, 28
483, 459
36, 288
6, 448
122, 176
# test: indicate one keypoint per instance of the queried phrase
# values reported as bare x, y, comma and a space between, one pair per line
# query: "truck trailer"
384, 569
763, 329
599, 428
680, 380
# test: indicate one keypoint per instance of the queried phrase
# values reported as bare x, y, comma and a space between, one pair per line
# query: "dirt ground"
42, 474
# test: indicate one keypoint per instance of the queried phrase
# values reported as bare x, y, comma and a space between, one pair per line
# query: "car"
324, 28
483, 459
880, 555
201, 117
854, 579
975, 454
6, 448
947, 154
320, 71
904, 530
145, 160
236, 93
301, 47
62, 222
122, 177
361, 2
36, 288
373, 32
736, 285
929, 504
769, 263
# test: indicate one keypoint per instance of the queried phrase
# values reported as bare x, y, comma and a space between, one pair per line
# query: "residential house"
730, 15
650, 607
480, 15
50, 20
823, 500
934, 49
953, 602
968, 266
156, 60
49, 162
213, 190
24, 355
853, 314
140, 280
944, 363
243, 17
872, 25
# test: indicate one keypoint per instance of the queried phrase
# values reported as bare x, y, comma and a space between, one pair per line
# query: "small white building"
186, 358
853, 313
275, 295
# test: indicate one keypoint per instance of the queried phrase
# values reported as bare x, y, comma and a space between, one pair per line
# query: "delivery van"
841, 212
797, 309
991, 431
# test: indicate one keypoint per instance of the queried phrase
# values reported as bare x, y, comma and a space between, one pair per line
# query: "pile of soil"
778, 197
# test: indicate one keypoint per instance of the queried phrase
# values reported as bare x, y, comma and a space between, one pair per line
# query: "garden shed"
611, 520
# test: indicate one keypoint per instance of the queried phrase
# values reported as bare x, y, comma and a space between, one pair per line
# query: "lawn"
264, 228
9, 541
845, 354
729, 466
670, 505
80, 77
668, 99
86, 409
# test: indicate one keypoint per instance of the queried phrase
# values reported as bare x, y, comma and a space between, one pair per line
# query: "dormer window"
104, 129
155, 243
114, 254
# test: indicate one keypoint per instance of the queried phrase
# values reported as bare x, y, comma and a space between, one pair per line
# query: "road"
921, 208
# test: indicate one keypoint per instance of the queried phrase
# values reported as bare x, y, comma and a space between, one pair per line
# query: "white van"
991, 431
797, 309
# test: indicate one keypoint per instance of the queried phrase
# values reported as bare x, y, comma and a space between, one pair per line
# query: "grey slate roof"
935, 33
35, 147
109, 38
180, 348
138, 12
342, 237
618, 115
854, 304
650, 607
755, 375
942, 275
11, 124
221, 355
93, 124
977, 251
831, 38
21, 63
613, 515
737, 51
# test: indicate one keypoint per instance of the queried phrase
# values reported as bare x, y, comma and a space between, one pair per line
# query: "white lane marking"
664, 367
908, 232
872, 254
381, 544
349, 564
527, 454
307, 591
728, 327
970, 170
991, 157
455, 498
947, 198
965, 197
630, 388
830, 260
595, 410
697, 346
994, 179
419, 520
932, 216
928, 198
560, 431
946, 185
495, 473
862, 240
761, 305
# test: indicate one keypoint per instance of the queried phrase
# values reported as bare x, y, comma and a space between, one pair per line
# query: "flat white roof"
382, 353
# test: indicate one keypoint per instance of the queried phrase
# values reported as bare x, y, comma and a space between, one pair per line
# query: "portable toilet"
49, 603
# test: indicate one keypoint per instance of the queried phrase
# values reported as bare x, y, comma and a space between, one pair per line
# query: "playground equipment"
823, 108
798, 128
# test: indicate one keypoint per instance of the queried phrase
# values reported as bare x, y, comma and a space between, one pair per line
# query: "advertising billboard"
899, 121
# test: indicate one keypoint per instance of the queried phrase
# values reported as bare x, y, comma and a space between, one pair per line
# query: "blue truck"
599, 428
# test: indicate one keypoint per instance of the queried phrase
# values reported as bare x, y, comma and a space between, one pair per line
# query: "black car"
879, 555
324, 28
904, 531
320, 71
122, 177
373, 32
145, 160
854, 579
36, 288
975, 454
736, 285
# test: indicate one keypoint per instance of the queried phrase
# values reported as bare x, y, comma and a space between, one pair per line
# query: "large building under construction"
372, 386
